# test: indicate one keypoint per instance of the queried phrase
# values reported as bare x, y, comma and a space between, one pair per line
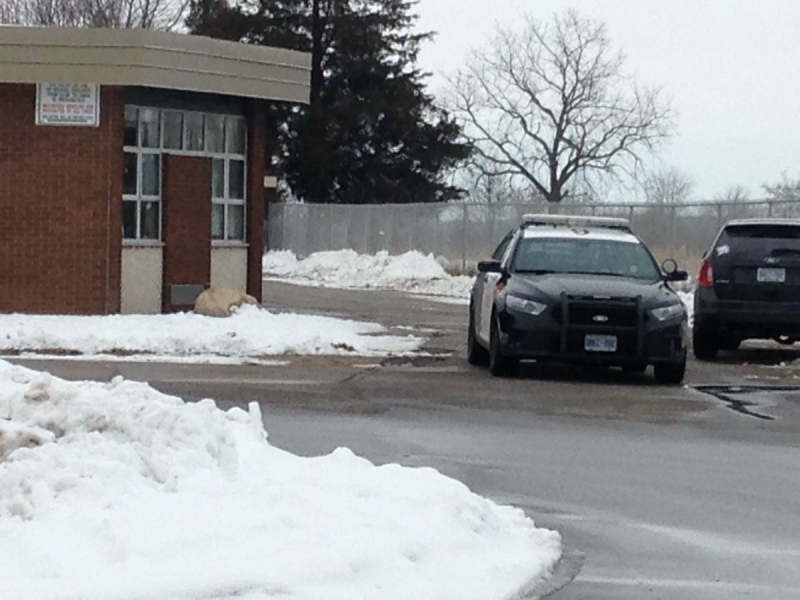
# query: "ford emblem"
600, 319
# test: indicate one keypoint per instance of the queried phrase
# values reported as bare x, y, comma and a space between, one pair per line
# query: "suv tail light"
706, 276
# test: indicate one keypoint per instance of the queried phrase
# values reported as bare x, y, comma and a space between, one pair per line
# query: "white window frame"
138, 197
226, 201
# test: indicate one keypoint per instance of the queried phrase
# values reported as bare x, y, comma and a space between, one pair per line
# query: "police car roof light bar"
576, 221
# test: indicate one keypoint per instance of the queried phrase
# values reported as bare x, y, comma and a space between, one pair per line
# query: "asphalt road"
659, 491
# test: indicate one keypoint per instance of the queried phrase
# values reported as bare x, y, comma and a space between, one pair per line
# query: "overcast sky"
730, 67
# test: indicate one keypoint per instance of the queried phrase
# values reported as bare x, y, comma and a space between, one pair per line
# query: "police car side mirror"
490, 266
678, 276
671, 271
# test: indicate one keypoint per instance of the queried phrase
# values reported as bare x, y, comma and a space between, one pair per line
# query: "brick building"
132, 166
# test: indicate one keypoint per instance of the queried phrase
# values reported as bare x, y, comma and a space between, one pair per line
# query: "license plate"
771, 275
600, 343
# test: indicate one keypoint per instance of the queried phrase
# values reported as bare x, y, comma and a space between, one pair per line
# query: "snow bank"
250, 332
688, 301
114, 490
410, 272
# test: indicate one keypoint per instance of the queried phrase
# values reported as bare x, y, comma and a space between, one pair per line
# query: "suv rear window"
775, 232
755, 242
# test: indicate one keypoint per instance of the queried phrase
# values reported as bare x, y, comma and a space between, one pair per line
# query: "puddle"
435, 360
731, 395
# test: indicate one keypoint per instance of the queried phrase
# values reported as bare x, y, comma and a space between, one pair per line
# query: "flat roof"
153, 59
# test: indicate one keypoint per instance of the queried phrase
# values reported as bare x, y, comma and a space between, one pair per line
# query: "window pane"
150, 175
236, 179
131, 117
150, 219
129, 174
217, 221
218, 178
173, 130
215, 133
235, 221
193, 127
148, 125
234, 135
129, 219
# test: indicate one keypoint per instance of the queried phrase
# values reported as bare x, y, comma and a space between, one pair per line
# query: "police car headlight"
523, 305
665, 313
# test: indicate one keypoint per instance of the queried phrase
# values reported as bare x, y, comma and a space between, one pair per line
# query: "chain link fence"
464, 233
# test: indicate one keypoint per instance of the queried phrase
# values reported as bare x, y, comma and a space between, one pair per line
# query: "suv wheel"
670, 373
500, 365
476, 354
705, 343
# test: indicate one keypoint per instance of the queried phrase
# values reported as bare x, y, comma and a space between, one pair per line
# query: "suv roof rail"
576, 221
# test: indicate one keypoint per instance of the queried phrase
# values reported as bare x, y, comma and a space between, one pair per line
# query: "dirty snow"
115, 491
252, 333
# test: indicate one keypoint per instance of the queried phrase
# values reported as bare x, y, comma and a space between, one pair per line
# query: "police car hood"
551, 286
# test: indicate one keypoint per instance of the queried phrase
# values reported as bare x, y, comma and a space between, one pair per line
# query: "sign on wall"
76, 104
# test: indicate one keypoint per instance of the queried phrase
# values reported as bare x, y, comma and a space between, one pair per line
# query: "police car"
582, 290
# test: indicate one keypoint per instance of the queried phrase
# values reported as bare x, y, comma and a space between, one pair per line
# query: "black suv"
579, 290
748, 286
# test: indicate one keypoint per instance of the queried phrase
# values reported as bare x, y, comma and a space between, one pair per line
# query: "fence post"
436, 237
673, 230
492, 207
330, 226
412, 230
464, 238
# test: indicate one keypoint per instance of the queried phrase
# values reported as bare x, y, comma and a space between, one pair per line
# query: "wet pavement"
667, 492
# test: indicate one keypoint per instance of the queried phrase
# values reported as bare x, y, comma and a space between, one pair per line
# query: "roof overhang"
154, 59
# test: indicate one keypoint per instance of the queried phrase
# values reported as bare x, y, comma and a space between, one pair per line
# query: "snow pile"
114, 490
688, 301
410, 272
250, 332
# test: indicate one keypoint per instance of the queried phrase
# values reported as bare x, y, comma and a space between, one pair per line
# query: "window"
501, 248
173, 130
141, 180
229, 176
594, 256
150, 132
193, 132
215, 134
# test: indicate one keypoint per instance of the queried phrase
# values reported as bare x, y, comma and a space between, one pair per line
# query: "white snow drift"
410, 272
250, 333
114, 490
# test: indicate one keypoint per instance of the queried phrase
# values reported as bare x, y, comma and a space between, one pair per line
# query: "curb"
564, 571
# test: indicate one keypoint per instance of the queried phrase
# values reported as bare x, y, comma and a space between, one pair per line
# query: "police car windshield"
586, 256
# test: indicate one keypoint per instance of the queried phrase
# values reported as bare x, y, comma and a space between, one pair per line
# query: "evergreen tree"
371, 133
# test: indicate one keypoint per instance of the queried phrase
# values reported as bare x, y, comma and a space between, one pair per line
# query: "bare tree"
484, 183
786, 190
551, 104
147, 14
733, 194
668, 187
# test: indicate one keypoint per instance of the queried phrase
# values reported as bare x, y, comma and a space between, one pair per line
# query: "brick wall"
186, 200
60, 208
256, 209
